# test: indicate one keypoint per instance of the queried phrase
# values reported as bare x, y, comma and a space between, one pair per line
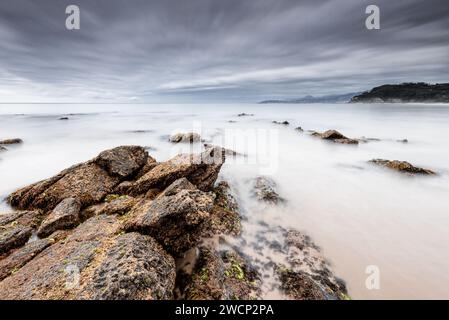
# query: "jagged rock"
264, 189
122, 161
14, 237
89, 182
200, 169
299, 129
16, 228
189, 137
65, 215
222, 275
53, 273
402, 166
20, 257
113, 205
135, 267
335, 136
174, 219
11, 141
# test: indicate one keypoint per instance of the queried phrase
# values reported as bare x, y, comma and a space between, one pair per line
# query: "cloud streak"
208, 50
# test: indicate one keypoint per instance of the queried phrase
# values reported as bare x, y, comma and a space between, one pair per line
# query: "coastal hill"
342, 98
405, 92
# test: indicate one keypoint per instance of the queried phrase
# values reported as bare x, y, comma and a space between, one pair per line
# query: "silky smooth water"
359, 214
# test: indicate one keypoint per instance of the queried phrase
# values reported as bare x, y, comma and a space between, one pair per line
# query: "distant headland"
388, 93
406, 92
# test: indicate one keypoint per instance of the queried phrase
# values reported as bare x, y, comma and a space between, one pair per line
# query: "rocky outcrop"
335, 136
189, 137
88, 182
405, 92
224, 275
264, 189
11, 141
64, 216
402, 166
124, 222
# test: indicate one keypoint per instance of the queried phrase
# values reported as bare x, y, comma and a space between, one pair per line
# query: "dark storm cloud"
203, 50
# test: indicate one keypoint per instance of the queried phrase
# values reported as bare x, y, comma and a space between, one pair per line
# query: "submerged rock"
402, 166
224, 275
65, 215
11, 141
307, 265
64, 118
285, 123
189, 137
245, 114
299, 285
335, 136
299, 129
264, 189
3, 148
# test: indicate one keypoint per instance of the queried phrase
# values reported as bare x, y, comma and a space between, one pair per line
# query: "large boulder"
200, 169
65, 215
135, 267
174, 218
88, 182
123, 161
402, 166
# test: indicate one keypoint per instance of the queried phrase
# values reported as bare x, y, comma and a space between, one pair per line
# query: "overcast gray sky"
215, 50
